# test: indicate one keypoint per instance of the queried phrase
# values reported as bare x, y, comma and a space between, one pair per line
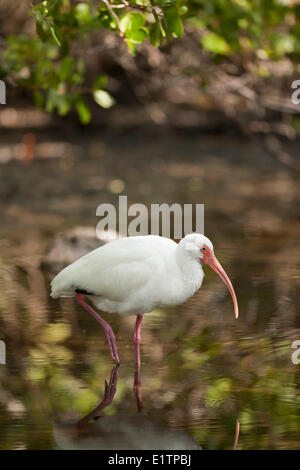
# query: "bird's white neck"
191, 269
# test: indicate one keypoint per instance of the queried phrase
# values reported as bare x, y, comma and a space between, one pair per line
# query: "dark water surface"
202, 371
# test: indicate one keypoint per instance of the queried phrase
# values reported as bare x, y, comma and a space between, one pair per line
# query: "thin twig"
146, 9
119, 6
114, 15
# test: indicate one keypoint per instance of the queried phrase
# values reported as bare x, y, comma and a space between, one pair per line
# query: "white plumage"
132, 276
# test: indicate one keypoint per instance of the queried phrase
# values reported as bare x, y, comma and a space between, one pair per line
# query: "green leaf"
104, 99
138, 35
51, 100
56, 34
174, 23
131, 46
133, 26
66, 69
158, 21
125, 22
106, 19
39, 17
64, 48
56, 100
38, 99
80, 66
50, 6
155, 35
83, 13
83, 111
40, 31
64, 106
212, 42
131, 21
100, 82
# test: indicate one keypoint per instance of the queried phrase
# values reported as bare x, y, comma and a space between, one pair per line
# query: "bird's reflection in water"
109, 393
123, 432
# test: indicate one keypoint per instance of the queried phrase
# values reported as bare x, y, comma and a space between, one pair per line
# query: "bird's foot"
112, 344
111, 387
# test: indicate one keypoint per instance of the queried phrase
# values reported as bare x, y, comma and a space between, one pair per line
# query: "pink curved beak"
214, 264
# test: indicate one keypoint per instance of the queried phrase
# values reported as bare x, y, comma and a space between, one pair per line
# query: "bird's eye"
203, 249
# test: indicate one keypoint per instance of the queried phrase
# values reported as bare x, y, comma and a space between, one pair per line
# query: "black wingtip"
83, 291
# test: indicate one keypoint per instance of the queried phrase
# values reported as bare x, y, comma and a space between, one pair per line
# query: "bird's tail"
61, 286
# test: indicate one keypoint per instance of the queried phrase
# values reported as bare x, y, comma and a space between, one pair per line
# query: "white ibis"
134, 275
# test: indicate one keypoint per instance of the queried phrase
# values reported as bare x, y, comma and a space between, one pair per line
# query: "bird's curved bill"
214, 264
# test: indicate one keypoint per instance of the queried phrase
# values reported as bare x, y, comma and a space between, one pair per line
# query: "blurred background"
204, 114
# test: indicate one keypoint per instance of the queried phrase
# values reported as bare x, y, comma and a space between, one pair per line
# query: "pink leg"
137, 353
109, 334
137, 339
236, 437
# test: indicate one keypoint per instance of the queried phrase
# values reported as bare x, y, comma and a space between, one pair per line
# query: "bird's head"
201, 249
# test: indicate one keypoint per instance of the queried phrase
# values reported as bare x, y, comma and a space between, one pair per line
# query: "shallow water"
202, 371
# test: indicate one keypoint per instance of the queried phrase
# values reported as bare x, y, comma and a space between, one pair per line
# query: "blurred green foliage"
48, 65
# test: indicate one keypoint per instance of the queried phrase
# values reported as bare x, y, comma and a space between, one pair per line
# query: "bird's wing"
115, 270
